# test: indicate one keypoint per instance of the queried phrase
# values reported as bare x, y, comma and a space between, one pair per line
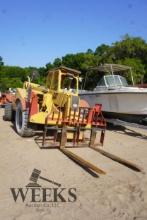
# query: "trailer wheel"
21, 122
8, 114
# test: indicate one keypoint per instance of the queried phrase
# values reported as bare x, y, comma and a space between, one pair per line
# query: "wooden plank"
118, 159
81, 161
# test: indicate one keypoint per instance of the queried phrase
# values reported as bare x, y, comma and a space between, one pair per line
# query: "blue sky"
35, 32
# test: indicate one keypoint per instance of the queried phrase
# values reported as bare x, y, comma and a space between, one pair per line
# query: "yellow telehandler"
57, 108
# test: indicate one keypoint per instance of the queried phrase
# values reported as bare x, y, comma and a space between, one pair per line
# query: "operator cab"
68, 83
63, 79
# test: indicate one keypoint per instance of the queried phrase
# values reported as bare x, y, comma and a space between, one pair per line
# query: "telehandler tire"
21, 122
8, 114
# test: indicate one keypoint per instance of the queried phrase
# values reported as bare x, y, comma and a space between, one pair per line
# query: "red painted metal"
82, 117
34, 104
6, 98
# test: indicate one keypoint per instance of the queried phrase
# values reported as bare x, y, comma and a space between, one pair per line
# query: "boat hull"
129, 106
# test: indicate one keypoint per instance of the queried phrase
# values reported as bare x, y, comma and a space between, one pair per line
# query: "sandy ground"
120, 194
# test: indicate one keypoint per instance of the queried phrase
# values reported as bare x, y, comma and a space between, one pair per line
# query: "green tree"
57, 62
131, 51
138, 68
1, 61
49, 66
102, 50
131, 47
89, 51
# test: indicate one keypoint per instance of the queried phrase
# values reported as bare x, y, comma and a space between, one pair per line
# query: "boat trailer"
118, 122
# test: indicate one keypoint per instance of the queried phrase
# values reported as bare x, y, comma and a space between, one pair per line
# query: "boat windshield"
113, 81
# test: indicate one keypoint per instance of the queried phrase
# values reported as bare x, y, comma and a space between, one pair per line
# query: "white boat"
118, 99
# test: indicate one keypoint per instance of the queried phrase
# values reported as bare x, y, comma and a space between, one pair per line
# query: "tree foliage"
1, 61
131, 51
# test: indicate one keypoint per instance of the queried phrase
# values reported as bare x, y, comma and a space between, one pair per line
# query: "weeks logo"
34, 195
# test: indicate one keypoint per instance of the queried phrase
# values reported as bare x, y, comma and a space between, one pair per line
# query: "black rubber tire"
21, 122
8, 113
144, 121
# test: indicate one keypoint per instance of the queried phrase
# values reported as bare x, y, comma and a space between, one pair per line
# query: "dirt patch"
120, 194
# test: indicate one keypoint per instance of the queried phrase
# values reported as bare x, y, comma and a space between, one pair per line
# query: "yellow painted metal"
53, 97
40, 117
70, 135
47, 102
60, 99
35, 87
21, 93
